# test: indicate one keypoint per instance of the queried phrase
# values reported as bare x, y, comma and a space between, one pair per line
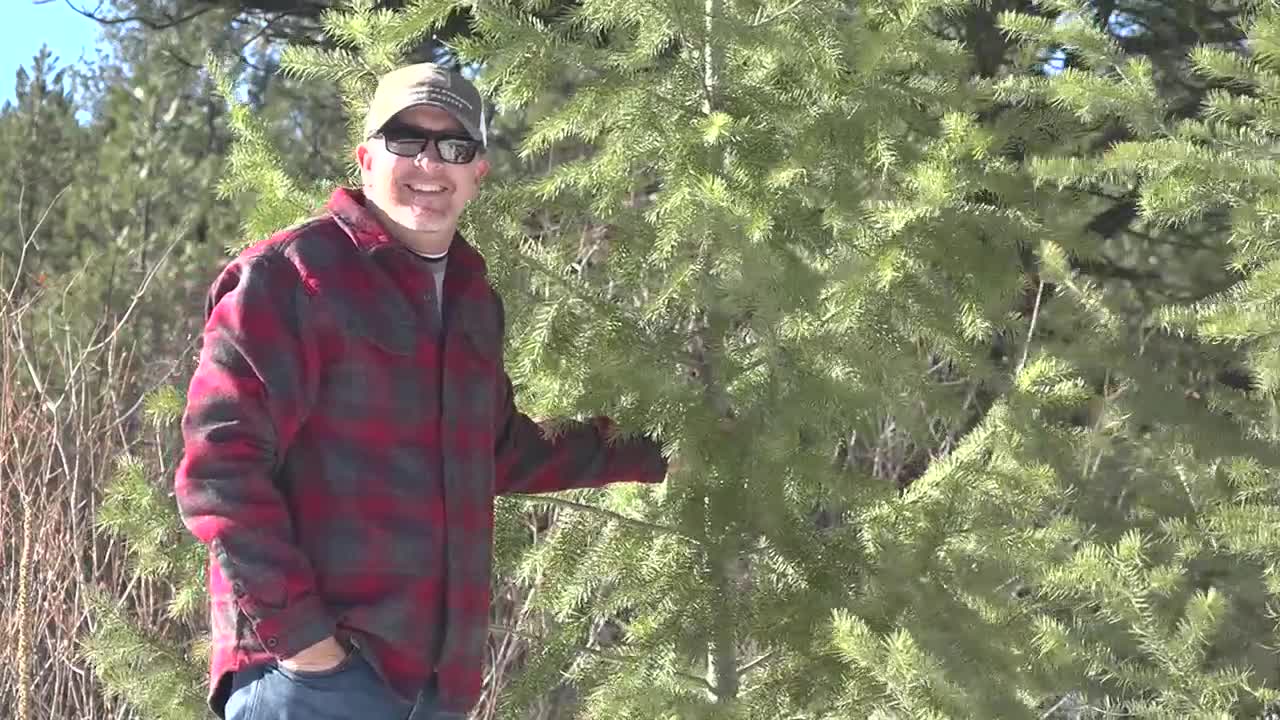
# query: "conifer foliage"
931, 463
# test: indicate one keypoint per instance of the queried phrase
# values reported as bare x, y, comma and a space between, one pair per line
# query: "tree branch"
169, 21
752, 665
610, 657
761, 21
633, 522
1031, 329
1107, 269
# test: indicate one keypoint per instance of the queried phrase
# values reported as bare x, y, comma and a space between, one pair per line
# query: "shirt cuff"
652, 466
292, 629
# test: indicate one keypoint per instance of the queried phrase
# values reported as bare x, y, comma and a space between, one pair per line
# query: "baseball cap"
426, 84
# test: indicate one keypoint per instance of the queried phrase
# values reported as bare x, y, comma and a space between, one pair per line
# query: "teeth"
427, 188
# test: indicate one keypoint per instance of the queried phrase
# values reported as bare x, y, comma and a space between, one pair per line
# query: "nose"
429, 156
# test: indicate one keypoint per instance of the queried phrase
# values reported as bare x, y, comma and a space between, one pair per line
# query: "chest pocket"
375, 375
387, 323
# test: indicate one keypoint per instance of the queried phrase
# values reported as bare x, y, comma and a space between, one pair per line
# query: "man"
348, 426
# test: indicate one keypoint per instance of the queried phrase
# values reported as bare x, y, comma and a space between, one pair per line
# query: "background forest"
958, 313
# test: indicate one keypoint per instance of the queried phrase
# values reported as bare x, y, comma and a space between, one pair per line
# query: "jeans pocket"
246, 695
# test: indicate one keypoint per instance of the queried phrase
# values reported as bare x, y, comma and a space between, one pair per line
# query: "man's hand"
674, 466
322, 656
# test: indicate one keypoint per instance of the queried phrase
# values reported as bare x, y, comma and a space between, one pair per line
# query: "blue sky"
26, 26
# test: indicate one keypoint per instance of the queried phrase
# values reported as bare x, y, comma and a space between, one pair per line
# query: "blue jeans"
352, 690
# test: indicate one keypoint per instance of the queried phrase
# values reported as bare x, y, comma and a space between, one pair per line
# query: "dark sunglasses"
411, 142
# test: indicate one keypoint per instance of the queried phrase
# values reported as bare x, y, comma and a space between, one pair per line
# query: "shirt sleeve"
565, 455
252, 389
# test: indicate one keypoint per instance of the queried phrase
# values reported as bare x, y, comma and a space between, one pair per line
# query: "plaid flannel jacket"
342, 453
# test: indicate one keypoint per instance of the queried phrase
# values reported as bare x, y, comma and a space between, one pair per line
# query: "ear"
364, 157
482, 168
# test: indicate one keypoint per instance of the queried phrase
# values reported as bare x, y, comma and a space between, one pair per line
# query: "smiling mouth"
427, 188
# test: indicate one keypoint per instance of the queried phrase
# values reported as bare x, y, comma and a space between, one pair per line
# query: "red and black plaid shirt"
343, 451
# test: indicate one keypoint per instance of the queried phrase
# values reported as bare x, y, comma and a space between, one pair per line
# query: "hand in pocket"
323, 656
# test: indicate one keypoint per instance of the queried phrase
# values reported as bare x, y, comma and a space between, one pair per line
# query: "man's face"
423, 193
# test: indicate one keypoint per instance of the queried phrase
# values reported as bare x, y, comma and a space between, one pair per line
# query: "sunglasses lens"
455, 150
405, 146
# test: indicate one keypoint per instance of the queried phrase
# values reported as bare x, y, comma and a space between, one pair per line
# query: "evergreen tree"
945, 450
40, 141
1191, 579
